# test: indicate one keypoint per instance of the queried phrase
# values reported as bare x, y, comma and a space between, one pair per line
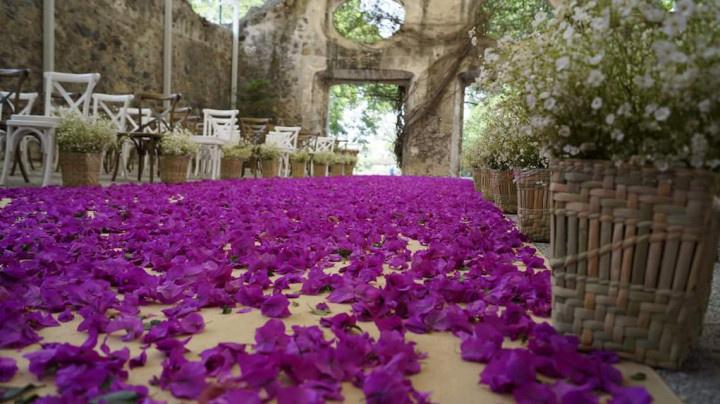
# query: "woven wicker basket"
231, 168
174, 169
348, 170
319, 169
270, 168
336, 170
633, 257
297, 168
80, 168
503, 190
483, 183
534, 203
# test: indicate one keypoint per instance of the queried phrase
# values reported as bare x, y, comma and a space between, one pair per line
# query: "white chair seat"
40, 121
208, 141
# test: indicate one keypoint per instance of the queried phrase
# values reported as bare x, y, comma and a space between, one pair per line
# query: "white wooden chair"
286, 140
219, 129
44, 126
115, 108
322, 144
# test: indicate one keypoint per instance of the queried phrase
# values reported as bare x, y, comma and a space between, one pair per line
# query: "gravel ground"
698, 382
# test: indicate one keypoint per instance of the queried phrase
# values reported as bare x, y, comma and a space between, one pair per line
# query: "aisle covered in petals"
394, 289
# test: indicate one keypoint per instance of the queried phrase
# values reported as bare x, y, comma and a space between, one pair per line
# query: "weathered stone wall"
123, 41
292, 52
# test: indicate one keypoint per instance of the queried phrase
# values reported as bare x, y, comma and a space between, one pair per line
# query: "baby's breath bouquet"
627, 80
300, 156
237, 152
325, 158
506, 140
266, 152
178, 143
77, 134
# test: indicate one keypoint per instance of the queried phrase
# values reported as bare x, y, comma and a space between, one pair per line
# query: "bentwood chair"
254, 130
15, 102
150, 129
115, 109
43, 126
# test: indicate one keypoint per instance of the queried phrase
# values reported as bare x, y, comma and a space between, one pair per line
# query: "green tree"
219, 13
511, 17
368, 21
375, 100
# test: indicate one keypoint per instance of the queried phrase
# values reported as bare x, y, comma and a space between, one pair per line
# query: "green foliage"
325, 158
511, 17
266, 152
376, 100
237, 152
178, 143
256, 99
76, 135
300, 156
368, 22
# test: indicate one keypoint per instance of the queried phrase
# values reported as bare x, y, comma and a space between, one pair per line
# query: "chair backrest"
292, 131
20, 104
132, 124
56, 83
181, 118
10, 100
254, 129
162, 112
220, 123
112, 107
284, 141
324, 144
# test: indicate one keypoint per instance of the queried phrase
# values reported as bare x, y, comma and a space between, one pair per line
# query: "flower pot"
633, 253
319, 170
270, 168
174, 169
80, 168
348, 170
481, 175
298, 169
336, 170
231, 168
534, 203
503, 190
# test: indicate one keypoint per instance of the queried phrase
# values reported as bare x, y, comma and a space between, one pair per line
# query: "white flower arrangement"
237, 152
325, 158
628, 80
77, 134
178, 143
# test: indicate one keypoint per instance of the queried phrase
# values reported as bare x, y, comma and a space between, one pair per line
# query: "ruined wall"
292, 52
123, 41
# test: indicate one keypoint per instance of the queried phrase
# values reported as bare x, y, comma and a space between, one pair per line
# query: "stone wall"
292, 52
123, 41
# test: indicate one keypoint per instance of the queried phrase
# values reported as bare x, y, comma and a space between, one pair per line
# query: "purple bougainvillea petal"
8, 368
275, 306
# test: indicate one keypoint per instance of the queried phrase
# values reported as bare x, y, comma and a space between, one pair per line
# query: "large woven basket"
297, 168
348, 170
633, 252
503, 190
336, 170
174, 169
231, 168
483, 182
80, 168
319, 169
270, 168
534, 203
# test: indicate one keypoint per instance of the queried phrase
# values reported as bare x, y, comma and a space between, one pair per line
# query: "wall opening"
367, 116
369, 21
221, 11
471, 126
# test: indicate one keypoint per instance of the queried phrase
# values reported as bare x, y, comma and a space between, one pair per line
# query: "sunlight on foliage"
369, 21
221, 11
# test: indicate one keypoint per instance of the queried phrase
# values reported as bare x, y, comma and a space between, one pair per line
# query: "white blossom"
610, 119
597, 103
704, 106
675, 25
531, 101
564, 131
595, 78
550, 104
595, 60
562, 63
684, 7
662, 114
618, 135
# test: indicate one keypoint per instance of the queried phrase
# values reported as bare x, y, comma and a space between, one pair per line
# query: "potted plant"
350, 160
624, 97
337, 165
298, 163
321, 162
233, 161
81, 145
176, 150
269, 158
